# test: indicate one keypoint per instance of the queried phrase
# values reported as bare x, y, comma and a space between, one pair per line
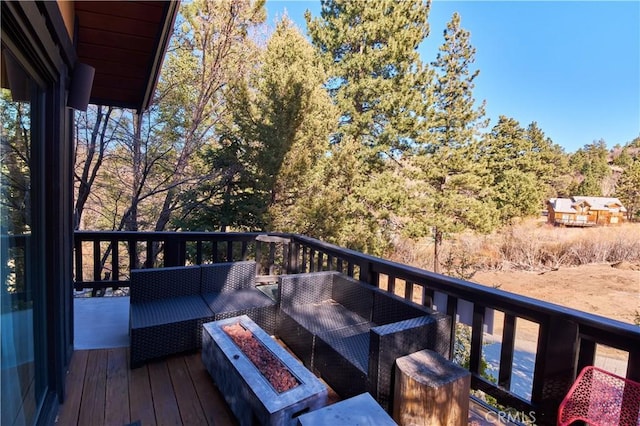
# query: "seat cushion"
238, 300
324, 316
165, 311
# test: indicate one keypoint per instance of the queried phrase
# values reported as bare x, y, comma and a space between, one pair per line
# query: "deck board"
186, 396
74, 386
103, 390
140, 399
215, 409
164, 398
117, 389
93, 393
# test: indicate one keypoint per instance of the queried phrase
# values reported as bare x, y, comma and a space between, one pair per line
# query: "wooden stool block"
430, 390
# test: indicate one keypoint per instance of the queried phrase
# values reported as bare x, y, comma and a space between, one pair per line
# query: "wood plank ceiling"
125, 41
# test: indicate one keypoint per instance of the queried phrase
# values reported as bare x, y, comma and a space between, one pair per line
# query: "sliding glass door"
23, 372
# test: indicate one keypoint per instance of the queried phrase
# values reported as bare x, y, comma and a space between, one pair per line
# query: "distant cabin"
585, 211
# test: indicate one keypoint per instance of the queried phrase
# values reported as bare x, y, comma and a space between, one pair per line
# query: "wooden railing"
567, 338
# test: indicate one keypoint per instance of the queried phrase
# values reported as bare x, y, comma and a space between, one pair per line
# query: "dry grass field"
595, 270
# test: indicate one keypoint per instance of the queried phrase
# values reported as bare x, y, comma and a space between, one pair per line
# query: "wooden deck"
102, 390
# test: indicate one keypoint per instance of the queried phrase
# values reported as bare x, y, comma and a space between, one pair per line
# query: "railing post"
555, 367
367, 275
172, 251
79, 273
292, 261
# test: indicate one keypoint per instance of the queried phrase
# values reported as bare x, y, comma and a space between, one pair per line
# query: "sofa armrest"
391, 341
228, 276
161, 283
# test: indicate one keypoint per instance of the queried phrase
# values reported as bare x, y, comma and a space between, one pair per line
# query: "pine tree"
452, 193
378, 84
590, 163
270, 149
628, 189
551, 163
374, 67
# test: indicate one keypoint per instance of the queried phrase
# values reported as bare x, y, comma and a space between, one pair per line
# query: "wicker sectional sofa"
351, 333
169, 305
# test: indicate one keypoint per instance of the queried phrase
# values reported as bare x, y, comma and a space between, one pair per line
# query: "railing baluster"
272, 258
586, 354
408, 290
133, 254
229, 251
391, 284
286, 260
215, 252
427, 296
149, 260
506, 351
199, 252
97, 262
633, 365
115, 260
304, 260
475, 357
259, 254
79, 264
452, 311
244, 250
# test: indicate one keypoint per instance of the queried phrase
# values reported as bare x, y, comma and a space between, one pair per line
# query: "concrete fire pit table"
249, 394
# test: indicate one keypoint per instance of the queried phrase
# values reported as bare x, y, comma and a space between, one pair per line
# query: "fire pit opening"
276, 373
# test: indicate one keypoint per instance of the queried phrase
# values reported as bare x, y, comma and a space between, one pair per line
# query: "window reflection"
20, 396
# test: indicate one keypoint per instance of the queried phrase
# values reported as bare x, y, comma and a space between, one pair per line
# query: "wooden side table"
430, 390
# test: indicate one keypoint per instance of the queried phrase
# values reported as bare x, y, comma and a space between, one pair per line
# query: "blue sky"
573, 67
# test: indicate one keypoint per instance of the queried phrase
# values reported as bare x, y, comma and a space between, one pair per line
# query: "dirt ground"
612, 291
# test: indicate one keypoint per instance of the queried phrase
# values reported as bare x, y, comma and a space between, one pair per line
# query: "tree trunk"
436, 249
90, 169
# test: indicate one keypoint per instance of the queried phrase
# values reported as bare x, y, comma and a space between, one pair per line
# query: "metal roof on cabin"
567, 205
125, 42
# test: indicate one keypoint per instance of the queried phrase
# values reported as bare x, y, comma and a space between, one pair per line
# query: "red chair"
601, 398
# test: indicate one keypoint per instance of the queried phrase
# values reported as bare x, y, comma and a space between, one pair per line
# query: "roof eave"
163, 44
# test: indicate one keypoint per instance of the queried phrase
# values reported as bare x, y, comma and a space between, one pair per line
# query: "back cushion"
161, 283
228, 276
389, 308
302, 289
353, 295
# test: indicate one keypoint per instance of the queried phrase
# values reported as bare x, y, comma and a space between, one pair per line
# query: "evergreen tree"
551, 163
378, 84
517, 167
270, 150
375, 76
628, 189
451, 194
591, 165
